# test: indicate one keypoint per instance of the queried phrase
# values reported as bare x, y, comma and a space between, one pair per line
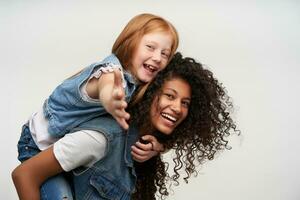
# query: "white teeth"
169, 117
150, 67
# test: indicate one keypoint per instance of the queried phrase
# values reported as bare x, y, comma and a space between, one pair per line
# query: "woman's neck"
152, 131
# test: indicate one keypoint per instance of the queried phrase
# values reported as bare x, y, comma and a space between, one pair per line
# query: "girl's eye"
150, 47
165, 55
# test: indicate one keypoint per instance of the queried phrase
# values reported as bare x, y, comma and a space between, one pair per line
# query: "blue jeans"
55, 188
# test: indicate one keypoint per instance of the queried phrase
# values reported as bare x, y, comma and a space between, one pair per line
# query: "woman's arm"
80, 148
29, 175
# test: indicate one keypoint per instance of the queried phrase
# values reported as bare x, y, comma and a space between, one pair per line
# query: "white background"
251, 46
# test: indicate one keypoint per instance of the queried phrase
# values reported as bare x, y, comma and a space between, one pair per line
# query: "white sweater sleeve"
81, 148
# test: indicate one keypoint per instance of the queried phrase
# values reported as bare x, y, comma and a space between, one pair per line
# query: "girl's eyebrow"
156, 43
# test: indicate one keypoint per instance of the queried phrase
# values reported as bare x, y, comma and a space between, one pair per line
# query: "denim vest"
112, 177
65, 107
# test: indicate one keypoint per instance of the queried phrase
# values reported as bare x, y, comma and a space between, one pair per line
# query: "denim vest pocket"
80, 170
108, 189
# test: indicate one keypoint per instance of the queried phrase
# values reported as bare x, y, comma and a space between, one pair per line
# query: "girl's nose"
156, 56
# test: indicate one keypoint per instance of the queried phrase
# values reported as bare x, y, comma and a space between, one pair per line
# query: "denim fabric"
65, 107
112, 177
57, 187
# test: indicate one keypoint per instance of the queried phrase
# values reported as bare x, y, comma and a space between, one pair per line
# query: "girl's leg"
55, 188
26, 145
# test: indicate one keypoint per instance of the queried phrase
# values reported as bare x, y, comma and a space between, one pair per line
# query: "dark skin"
28, 177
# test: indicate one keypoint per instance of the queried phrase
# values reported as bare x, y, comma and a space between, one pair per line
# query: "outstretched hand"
143, 151
118, 102
112, 97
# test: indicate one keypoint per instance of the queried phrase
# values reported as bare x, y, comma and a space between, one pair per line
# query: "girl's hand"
118, 103
142, 152
112, 97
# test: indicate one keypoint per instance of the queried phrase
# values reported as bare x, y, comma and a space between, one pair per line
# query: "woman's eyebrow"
175, 91
172, 90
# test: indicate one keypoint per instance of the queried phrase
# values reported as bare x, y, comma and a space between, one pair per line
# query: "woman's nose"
176, 106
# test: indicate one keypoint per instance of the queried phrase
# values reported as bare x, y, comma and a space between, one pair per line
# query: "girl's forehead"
158, 34
164, 39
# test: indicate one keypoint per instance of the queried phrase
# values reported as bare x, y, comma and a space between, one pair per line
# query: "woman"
196, 139
184, 107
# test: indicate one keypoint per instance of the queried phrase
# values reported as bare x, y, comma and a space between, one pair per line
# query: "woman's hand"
143, 151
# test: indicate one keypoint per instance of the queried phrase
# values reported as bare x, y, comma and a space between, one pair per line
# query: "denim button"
26, 147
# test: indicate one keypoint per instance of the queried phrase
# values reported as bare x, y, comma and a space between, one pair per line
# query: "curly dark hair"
197, 139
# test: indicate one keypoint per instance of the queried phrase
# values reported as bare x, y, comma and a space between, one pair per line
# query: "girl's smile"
152, 55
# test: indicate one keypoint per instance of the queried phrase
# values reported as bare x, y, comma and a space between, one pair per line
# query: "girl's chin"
145, 79
145, 76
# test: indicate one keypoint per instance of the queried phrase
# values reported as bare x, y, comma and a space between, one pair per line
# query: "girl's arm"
109, 90
29, 175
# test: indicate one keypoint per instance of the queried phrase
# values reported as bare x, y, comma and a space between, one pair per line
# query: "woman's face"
171, 107
152, 55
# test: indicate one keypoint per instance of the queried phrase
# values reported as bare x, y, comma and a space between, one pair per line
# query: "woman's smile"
171, 107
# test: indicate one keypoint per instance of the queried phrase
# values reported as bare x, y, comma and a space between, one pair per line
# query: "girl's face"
170, 108
152, 55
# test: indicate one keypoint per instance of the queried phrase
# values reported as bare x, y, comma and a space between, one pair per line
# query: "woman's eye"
186, 104
170, 96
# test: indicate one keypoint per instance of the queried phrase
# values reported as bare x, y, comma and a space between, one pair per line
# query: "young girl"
143, 48
185, 107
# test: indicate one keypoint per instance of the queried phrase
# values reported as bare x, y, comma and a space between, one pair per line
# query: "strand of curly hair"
197, 139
